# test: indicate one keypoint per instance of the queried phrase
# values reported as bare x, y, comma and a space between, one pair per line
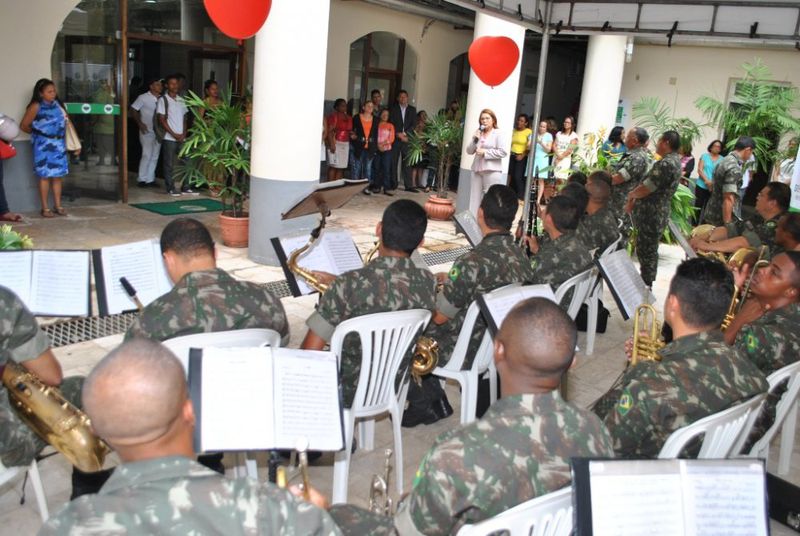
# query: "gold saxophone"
308, 275
45, 410
379, 500
646, 346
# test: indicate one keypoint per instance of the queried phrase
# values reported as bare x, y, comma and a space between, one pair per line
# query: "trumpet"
379, 500
646, 346
738, 298
703, 231
308, 275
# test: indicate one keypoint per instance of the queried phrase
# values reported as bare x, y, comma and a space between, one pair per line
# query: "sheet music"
469, 226
141, 263
676, 232
629, 288
333, 252
500, 302
16, 274
60, 283
306, 399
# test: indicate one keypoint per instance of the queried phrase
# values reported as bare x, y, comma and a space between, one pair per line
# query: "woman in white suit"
488, 146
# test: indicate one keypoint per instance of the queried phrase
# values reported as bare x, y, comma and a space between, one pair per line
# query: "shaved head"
135, 394
538, 338
599, 191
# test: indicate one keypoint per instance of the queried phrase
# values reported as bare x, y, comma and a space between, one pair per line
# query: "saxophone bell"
305, 274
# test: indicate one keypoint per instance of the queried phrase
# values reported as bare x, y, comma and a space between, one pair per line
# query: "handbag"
71, 138
7, 150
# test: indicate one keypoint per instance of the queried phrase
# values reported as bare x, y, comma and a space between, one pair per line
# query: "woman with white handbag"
8, 131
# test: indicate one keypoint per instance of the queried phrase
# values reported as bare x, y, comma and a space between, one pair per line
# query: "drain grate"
443, 257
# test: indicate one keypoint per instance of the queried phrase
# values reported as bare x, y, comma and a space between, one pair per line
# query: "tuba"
45, 410
379, 500
646, 347
308, 275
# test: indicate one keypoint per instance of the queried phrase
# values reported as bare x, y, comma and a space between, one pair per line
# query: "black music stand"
326, 197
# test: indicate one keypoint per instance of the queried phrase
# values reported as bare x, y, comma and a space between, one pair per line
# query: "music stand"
324, 198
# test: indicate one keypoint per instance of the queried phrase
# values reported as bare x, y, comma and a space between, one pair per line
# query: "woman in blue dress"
45, 120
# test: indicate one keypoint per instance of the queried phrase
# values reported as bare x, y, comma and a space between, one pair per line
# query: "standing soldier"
652, 200
728, 181
631, 170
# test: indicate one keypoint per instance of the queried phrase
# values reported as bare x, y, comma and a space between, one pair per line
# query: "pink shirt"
494, 145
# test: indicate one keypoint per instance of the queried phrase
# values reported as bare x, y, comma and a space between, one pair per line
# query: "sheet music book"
670, 497
334, 252
467, 225
140, 263
49, 282
625, 282
496, 305
682, 241
265, 398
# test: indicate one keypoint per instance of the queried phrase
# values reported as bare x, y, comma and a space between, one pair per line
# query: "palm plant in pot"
440, 140
216, 155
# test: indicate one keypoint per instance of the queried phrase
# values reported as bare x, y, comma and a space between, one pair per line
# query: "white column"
602, 80
502, 99
288, 94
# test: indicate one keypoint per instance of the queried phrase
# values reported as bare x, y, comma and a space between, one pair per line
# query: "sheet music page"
162, 277
682, 241
342, 250
136, 262
306, 399
236, 399
622, 274
16, 274
501, 303
60, 283
724, 498
470, 227
330, 254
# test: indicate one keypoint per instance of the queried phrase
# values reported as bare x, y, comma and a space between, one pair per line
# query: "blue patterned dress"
49, 147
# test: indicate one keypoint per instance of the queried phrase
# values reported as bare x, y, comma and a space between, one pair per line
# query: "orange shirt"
367, 129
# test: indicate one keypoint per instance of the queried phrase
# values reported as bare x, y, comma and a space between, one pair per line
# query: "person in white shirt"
172, 115
489, 148
142, 111
566, 143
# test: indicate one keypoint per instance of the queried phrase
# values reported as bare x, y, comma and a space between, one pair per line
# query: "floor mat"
189, 206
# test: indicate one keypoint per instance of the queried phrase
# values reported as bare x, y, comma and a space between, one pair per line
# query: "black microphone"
481, 128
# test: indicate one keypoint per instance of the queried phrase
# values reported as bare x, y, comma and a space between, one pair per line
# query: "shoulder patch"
751, 341
771, 223
455, 273
625, 403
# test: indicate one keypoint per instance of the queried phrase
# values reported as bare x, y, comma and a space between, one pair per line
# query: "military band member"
787, 235
205, 298
598, 228
391, 282
650, 203
631, 171
698, 374
521, 447
760, 230
728, 182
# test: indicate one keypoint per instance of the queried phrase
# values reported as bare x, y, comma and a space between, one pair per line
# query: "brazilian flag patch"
770, 224
752, 342
625, 403
455, 273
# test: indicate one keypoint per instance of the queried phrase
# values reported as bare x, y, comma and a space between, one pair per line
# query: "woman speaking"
487, 168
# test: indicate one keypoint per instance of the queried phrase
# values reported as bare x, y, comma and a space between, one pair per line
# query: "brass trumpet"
379, 500
738, 298
703, 231
646, 347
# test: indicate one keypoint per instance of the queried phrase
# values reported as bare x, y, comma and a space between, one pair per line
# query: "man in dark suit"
404, 117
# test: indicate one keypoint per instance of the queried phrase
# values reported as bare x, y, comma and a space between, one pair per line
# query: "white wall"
441, 43
680, 74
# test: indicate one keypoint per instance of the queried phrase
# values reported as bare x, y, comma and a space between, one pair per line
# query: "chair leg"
251, 467
366, 434
492, 372
591, 322
341, 463
398, 449
787, 440
38, 490
469, 399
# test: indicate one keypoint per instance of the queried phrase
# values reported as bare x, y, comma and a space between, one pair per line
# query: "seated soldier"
787, 235
205, 298
495, 262
772, 203
521, 447
698, 374
158, 488
598, 228
577, 192
23, 342
391, 282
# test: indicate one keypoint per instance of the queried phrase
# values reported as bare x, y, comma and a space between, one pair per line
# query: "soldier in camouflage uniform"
630, 172
598, 228
204, 298
521, 447
728, 182
771, 204
787, 234
392, 282
698, 374
651, 201
158, 488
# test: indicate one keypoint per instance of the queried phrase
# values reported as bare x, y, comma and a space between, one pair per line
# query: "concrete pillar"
501, 99
288, 93
602, 80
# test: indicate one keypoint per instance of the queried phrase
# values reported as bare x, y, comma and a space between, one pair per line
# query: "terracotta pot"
439, 208
235, 230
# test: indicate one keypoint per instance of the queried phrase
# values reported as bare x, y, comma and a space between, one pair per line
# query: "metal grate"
443, 257
279, 288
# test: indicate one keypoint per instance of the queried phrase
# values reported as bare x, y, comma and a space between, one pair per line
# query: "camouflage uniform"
355, 521
519, 450
632, 167
385, 284
560, 259
21, 340
175, 495
597, 231
727, 179
494, 263
757, 231
651, 214
207, 301
698, 375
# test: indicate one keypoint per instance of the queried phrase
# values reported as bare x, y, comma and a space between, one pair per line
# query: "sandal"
47, 213
11, 217
60, 211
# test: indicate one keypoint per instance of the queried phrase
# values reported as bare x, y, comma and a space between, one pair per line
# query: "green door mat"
181, 207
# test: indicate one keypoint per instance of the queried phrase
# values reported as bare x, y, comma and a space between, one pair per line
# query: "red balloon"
239, 19
493, 59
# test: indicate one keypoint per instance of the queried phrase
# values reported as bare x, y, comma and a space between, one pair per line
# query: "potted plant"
216, 154
11, 239
441, 141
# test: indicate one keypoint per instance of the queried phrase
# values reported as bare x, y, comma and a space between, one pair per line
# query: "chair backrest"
612, 247
788, 399
722, 430
180, 346
582, 284
548, 515
385, 340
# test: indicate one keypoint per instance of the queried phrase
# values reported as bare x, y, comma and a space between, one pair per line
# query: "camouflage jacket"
633, 167
756, 230
520, 449
175, 495
560, 259
208, 301
727, 179
698, 375
597, 231
772, 341
20, 336
385, 284
662, 180
494, 263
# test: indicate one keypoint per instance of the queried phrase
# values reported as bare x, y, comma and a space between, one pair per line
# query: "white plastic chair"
785, 418
548, 515
385, 340
722, 430
9, 473
593, 301
581, 285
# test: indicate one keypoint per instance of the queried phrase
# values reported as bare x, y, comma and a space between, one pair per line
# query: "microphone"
482, 128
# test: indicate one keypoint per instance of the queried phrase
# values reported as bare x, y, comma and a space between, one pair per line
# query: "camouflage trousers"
767, 416
650, 226
19, 444
355, 521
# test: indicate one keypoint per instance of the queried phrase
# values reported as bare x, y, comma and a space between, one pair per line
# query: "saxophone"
45, 410
308, 275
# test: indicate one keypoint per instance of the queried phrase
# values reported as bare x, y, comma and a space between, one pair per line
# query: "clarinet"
533, 206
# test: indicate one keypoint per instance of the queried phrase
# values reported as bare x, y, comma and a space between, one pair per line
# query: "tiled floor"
93, 224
